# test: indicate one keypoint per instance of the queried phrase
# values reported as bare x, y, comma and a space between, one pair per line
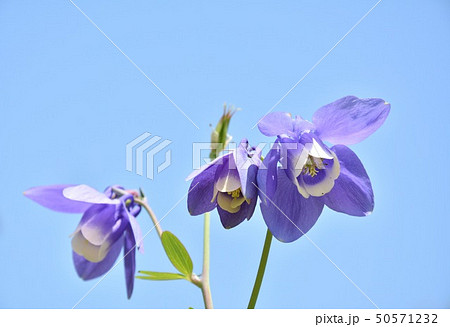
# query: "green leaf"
177, 253
154, 275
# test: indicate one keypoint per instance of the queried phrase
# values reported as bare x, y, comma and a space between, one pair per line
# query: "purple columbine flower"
311, 174
228, 183
108, 224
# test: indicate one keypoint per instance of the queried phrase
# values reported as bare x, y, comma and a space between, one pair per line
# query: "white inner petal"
225, 202
87, 194
321, 188
336, 166
90, 252
236, 202
301, 189
215, 192
317, 151
94, 234
301, 161
229, 182
327, 184
91, 229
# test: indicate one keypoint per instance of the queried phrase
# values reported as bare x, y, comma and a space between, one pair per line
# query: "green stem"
143, 203
206, 290
261, 270
203, 282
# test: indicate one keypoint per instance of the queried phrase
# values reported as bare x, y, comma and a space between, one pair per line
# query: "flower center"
231, 201
235, 194
312, 165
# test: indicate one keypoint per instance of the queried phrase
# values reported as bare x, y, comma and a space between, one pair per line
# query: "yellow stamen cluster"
312, 165
235, 194
310, 170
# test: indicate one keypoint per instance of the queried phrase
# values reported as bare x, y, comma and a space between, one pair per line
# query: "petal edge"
350, 120
352, 193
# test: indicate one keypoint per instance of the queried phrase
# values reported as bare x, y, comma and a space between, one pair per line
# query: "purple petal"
218, 161
52, 197
251, 207
352, 192
135, 210
287, 214
301, 125
230, 220
267, 173
247, 169
201, 192
137, 233
282, 123
276, 123
88, 270
129, 261
350, 120
248, 181
292, 157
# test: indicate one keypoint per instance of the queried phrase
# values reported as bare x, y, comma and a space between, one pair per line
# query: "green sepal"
141, 193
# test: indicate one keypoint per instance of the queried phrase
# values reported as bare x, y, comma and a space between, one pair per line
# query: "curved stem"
206, 290
143, 203
202, 282
261, 270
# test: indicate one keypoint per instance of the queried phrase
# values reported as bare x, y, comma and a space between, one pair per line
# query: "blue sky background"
70, 102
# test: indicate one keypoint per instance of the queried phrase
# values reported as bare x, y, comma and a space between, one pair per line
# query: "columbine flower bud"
219, 136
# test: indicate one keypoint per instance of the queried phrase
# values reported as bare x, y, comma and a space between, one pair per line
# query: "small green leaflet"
177, 253
154, 275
